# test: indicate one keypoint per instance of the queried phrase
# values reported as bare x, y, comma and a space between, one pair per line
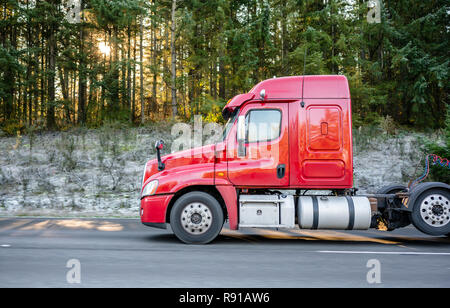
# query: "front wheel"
196, 218
431, 212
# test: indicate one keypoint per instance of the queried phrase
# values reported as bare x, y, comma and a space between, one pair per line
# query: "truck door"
322, 144
265, 161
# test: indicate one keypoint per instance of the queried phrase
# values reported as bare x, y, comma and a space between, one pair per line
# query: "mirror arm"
158, 146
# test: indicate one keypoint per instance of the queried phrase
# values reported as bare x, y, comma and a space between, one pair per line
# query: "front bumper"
154, 208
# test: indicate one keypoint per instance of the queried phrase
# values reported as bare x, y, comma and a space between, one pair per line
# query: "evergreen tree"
183, 57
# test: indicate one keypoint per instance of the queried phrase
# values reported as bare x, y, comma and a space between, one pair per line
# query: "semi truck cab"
285, 160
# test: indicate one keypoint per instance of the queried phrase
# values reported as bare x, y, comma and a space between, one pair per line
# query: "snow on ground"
98, 172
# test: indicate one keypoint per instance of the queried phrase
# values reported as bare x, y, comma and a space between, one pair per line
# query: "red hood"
182, 159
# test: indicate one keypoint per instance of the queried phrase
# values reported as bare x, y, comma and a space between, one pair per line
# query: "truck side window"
263, 125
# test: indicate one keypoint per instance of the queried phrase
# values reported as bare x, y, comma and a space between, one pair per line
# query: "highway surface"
46, 252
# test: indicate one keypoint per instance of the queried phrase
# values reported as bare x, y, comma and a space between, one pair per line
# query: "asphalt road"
34, 252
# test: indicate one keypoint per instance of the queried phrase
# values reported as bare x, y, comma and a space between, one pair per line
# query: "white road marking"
5, 245
386, 252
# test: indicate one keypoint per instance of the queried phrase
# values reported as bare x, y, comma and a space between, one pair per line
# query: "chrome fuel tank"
330, 212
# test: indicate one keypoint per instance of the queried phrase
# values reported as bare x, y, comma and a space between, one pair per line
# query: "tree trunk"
141, 70
130, 107
51, 77
82, 86
133, 97
173, 59
155, 59
114, 86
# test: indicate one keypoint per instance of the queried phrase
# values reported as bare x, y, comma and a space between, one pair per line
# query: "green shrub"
388, 125
11, 127
211, 110
438, 172
370, 118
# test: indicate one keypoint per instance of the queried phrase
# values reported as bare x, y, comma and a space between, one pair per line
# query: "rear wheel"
196, 218
431, 212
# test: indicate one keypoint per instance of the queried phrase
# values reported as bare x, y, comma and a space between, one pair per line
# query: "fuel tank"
330, 212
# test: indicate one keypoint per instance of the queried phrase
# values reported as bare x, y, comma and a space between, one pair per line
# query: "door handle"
281, 169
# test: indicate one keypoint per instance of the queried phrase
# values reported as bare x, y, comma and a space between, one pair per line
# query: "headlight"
150, 188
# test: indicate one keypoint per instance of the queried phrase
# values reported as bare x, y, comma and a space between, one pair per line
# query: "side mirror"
241, 136
159, 145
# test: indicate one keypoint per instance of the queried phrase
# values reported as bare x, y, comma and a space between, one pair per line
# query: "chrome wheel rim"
435, 210
196, 218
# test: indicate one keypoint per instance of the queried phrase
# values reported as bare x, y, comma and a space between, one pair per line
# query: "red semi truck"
285, 160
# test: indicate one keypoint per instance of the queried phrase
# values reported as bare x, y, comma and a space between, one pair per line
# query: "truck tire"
196, 218
431, 212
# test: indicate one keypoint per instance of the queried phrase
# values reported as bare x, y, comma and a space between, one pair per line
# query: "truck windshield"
230, 123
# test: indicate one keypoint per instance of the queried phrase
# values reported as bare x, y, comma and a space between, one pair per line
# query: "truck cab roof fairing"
280, 88
294, 87
236, 101
303, 87
326, 86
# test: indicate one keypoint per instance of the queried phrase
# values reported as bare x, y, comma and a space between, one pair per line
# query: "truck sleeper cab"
285, 159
